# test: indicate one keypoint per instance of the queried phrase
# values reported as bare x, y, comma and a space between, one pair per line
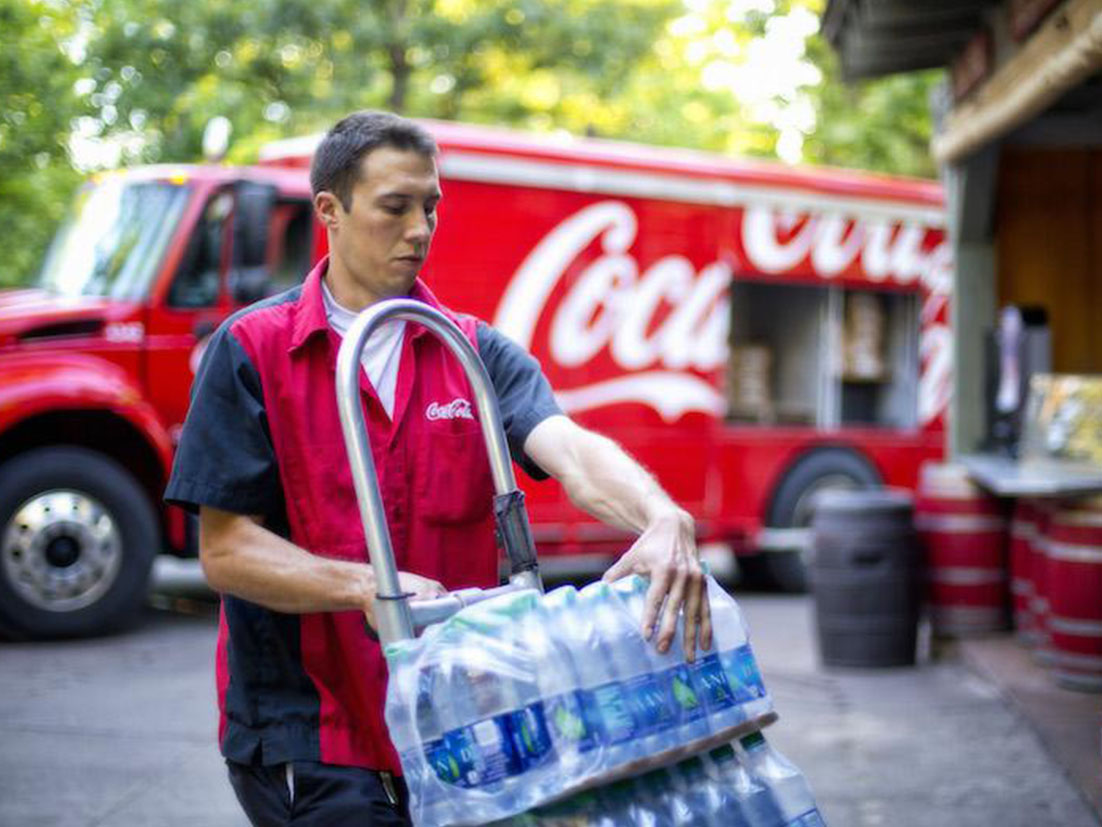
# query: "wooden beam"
970, 201
928, 14
1064, 52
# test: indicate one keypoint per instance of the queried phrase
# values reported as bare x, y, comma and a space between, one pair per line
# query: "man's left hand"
666, 554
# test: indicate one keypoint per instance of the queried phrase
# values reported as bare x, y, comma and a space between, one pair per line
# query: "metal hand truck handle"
399, 617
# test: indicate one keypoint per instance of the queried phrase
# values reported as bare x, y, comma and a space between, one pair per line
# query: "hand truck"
399, 617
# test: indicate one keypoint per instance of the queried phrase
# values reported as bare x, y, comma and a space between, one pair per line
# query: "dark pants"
324, 796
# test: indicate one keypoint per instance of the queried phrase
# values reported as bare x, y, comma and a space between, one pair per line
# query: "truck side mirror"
252, 214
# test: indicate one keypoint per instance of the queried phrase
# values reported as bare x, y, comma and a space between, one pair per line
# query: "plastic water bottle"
744, 801
414, 715
552, 736
626, 652
786, 784
700, 794
482, 694
400, 705
617, 806
732, 644
676, 679
401, 660
720, 689
591, 808
436, 791
606, 705
657, 801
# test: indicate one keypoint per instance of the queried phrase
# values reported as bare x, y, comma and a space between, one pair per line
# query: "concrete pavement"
1068, 724
936, 744
114, 732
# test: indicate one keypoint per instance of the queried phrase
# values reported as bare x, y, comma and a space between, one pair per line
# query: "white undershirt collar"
381, 355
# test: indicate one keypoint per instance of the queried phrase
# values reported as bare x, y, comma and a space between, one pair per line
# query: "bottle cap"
723, 754
752, 741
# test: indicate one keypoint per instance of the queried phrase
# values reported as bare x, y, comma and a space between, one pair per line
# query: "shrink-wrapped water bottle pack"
553, 709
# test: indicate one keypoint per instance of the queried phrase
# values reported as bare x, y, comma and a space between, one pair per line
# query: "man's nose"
419, 227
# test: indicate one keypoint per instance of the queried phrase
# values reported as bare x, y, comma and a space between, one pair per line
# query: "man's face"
381, 241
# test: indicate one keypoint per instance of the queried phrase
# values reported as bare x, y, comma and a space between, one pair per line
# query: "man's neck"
345, 291
342, 299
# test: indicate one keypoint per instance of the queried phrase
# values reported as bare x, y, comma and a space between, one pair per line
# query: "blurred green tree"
883, 125
38, 105
278, 67
98, 83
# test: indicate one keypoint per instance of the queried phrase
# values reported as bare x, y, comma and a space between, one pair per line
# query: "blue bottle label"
651, 708
531, 739
712, 682
443, 763
594, 720
688, 703
483, 752
742, 670
617, 721
567, 719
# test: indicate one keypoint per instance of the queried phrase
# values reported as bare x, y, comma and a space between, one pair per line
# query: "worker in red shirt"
262, 460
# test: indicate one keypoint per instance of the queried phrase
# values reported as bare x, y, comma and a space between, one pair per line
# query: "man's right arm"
241, 557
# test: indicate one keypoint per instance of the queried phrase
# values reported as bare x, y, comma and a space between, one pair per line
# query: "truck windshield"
113, 239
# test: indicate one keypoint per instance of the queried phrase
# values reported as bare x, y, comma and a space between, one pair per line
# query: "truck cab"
96, 360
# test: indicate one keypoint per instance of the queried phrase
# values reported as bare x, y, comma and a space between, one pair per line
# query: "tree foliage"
104, 82
883, 125
37, 103
278, 67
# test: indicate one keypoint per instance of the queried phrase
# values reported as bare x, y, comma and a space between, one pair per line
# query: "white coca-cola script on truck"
612, 303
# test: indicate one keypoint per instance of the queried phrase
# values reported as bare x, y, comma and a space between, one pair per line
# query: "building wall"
1048, 231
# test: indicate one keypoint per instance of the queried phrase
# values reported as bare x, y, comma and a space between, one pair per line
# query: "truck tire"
819, 470
78, 535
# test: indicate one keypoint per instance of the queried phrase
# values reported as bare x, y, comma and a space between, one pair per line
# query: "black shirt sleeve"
523, 393
225, 458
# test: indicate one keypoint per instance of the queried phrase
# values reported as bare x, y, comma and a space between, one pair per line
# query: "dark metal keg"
866, 577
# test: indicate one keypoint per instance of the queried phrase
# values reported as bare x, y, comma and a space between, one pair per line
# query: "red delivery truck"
753, 333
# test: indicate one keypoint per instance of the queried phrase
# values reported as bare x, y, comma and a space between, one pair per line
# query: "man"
262, 459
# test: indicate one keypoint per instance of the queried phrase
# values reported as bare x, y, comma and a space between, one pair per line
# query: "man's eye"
394, 209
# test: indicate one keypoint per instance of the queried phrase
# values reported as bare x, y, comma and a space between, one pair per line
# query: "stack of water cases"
743, 784
529, 699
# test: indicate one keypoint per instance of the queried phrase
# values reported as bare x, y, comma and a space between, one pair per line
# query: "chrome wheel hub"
61, 550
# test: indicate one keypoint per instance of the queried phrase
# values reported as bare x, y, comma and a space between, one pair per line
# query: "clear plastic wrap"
524, 699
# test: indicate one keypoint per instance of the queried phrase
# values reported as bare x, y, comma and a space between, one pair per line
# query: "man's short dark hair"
336, 164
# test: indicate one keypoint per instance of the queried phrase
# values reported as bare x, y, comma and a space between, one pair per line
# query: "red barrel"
1023, 535
1037, 565
1075, 595
964, 532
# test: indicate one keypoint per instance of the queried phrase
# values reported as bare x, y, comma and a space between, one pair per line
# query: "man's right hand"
422, 588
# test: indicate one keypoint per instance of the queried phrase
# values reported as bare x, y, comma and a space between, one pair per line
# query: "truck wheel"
791, 507
78, 536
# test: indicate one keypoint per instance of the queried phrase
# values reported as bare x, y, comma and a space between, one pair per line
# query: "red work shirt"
263, 437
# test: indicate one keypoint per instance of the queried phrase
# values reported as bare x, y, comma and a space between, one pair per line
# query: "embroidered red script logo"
456, 409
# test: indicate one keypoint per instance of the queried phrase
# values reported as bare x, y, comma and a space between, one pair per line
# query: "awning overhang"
883, 37
1064, 53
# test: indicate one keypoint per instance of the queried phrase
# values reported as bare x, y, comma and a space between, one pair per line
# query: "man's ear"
328, 209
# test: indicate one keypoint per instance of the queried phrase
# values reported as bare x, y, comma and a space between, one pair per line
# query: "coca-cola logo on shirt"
665, 327
456, 409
